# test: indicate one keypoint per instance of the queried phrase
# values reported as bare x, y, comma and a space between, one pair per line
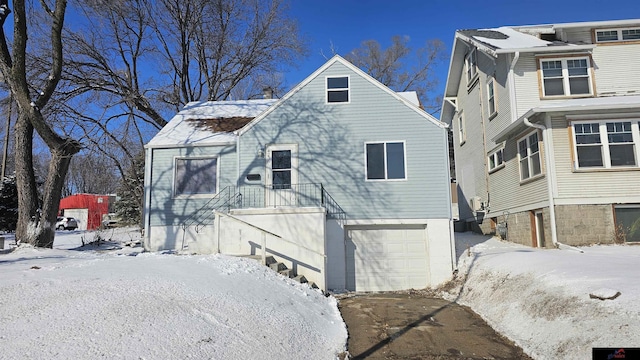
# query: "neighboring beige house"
546, 131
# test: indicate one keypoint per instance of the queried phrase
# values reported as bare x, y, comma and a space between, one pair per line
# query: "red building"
88, 209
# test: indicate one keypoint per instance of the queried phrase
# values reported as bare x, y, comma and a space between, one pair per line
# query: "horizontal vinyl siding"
164, 210
469, 157
331, 140
527, 85
597, 185
503, 117
617, 70
507, 192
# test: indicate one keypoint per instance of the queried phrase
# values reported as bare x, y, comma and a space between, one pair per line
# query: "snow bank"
541, 298
64, 304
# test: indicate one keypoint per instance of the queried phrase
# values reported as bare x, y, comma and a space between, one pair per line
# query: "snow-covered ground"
541, 298
115, 302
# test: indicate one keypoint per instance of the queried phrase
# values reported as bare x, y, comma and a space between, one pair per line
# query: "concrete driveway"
415, 326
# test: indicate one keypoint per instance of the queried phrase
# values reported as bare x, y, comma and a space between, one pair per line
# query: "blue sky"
346, 23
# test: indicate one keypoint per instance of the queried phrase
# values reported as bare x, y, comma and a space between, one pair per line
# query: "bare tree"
33, 227
133, 63
400, 67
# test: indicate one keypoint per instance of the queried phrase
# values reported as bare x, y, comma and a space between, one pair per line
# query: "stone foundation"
576, 225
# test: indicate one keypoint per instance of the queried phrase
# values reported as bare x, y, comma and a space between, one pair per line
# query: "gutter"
550, 183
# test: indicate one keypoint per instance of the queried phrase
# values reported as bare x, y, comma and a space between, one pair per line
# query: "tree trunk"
60, 159
25, 181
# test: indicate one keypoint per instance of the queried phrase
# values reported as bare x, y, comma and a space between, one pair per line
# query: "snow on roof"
514, 39
208, 122
410, 96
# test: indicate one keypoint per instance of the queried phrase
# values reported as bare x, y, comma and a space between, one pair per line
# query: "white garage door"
386, 258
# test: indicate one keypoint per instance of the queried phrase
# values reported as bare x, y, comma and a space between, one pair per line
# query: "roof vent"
548, 37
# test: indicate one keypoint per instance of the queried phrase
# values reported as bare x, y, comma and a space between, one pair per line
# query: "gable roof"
405, 99
208, 123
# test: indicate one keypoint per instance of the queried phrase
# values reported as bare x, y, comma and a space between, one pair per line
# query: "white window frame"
175, 173
529, 157
497, 156
462, 131
566, 85
619, 34
471, 66
491, 97
386, 168
604, 143
347, 89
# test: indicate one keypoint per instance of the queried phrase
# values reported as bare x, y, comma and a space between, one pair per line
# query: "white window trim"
565, 77
462, 131
494, 153
604, 142
194, 196
618, 31
473, 66
491, 80
327, 90
404, 149
526, 139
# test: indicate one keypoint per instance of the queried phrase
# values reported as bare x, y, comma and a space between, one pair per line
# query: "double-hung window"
195, 176
496, 160
615, 35
471, 62
281, 169
462, 131
605, 144
385, 161
338, 89
491, 97
566, 77
529, 156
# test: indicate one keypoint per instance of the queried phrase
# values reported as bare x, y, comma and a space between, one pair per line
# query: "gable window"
491, 98
605, 144
338, 89
385, 161
496, 160
529, 156
195, 176
614, 35
462, 132
471, 63
566, 77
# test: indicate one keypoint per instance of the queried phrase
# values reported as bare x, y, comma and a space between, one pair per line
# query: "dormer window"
617, 35
338, 89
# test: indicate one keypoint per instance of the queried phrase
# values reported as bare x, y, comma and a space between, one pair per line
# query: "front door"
281, 175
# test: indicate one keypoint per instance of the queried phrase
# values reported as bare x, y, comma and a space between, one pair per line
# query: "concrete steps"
282, 269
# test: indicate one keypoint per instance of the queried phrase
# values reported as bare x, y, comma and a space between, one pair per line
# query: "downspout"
452, 239
512, 88
147, 199
237, 159
550, 182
